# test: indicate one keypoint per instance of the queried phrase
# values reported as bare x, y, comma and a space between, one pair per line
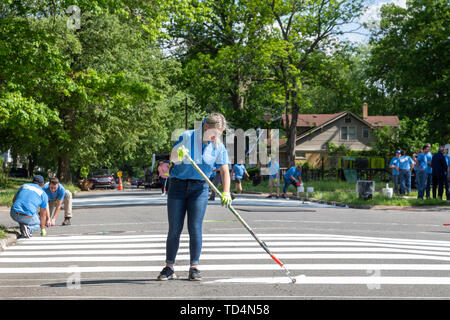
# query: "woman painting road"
188, 191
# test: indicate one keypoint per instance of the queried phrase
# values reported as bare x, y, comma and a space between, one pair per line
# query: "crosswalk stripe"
231, 252
218, 249
228, 267
376, 281
182, 257
231, 237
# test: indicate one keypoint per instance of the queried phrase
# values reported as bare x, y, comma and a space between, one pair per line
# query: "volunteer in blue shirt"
188, 191
429, 170
405, 167
447, 180
421, 173
57, 195
29, 207
237, 173
394, 165
274, 176
290, 177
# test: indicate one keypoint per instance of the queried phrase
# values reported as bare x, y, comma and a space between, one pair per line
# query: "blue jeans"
287, 183
34, 222
191, 197
396, 181
421, 181
405, 181
428, 185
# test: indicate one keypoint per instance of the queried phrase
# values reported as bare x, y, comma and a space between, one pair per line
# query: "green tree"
410, 65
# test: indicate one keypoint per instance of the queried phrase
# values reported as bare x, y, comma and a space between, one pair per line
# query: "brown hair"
54, 181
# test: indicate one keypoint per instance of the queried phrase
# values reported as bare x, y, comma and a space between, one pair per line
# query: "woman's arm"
225, 173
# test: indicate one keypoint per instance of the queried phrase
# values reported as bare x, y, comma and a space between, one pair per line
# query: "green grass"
7, 194
342, 191
3, 233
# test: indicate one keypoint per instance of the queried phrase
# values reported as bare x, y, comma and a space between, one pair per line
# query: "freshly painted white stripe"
61, 241
341, 280
283, 256
234, 267
238, 249
229, 237
206, 243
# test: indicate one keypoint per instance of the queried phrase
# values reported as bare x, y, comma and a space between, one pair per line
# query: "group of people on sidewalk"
37, 204
432, 172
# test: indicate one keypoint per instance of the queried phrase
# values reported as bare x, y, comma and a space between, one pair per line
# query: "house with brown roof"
315, 131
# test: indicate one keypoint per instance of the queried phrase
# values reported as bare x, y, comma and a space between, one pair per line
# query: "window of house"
348, 133
351, 133
365, 132
344, 133
300, 155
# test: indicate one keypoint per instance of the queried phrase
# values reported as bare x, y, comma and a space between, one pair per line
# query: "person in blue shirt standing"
29, 207
290, 177
421, 173
274, 176
405, 167
188, 191
238, 172
447, 180
429, 170
57, 195
394, 165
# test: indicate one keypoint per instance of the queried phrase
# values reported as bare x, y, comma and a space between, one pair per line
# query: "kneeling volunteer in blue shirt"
188, 191
57, 195
29, 207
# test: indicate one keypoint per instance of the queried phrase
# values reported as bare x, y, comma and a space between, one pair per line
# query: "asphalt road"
116, 252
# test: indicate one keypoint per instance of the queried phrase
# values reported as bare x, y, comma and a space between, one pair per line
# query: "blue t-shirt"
447, 159
274, 168
405, 162
429, 156
205, 155
292, 172
29, 198
239, 170
422, 159
395, 162
57, 195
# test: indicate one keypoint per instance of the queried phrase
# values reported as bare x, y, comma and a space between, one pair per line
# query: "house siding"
317, 141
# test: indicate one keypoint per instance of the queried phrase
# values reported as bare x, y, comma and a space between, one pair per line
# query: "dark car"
102, 178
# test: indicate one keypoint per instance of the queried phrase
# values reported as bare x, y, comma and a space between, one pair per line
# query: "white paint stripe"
131, 240
342, 280
204, 257
241, 236
235, 267
255, 248
185, 243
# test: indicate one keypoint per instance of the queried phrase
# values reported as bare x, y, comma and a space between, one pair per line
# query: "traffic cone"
120, 184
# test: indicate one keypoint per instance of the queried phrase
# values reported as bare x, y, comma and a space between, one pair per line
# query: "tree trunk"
292, 130
31, 165
64, 168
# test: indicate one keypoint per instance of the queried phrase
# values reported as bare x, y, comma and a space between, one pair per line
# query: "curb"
9, 241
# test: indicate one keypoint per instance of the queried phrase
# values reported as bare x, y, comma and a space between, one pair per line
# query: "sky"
372, 15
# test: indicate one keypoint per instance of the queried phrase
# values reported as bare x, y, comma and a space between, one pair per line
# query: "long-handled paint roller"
184, 152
